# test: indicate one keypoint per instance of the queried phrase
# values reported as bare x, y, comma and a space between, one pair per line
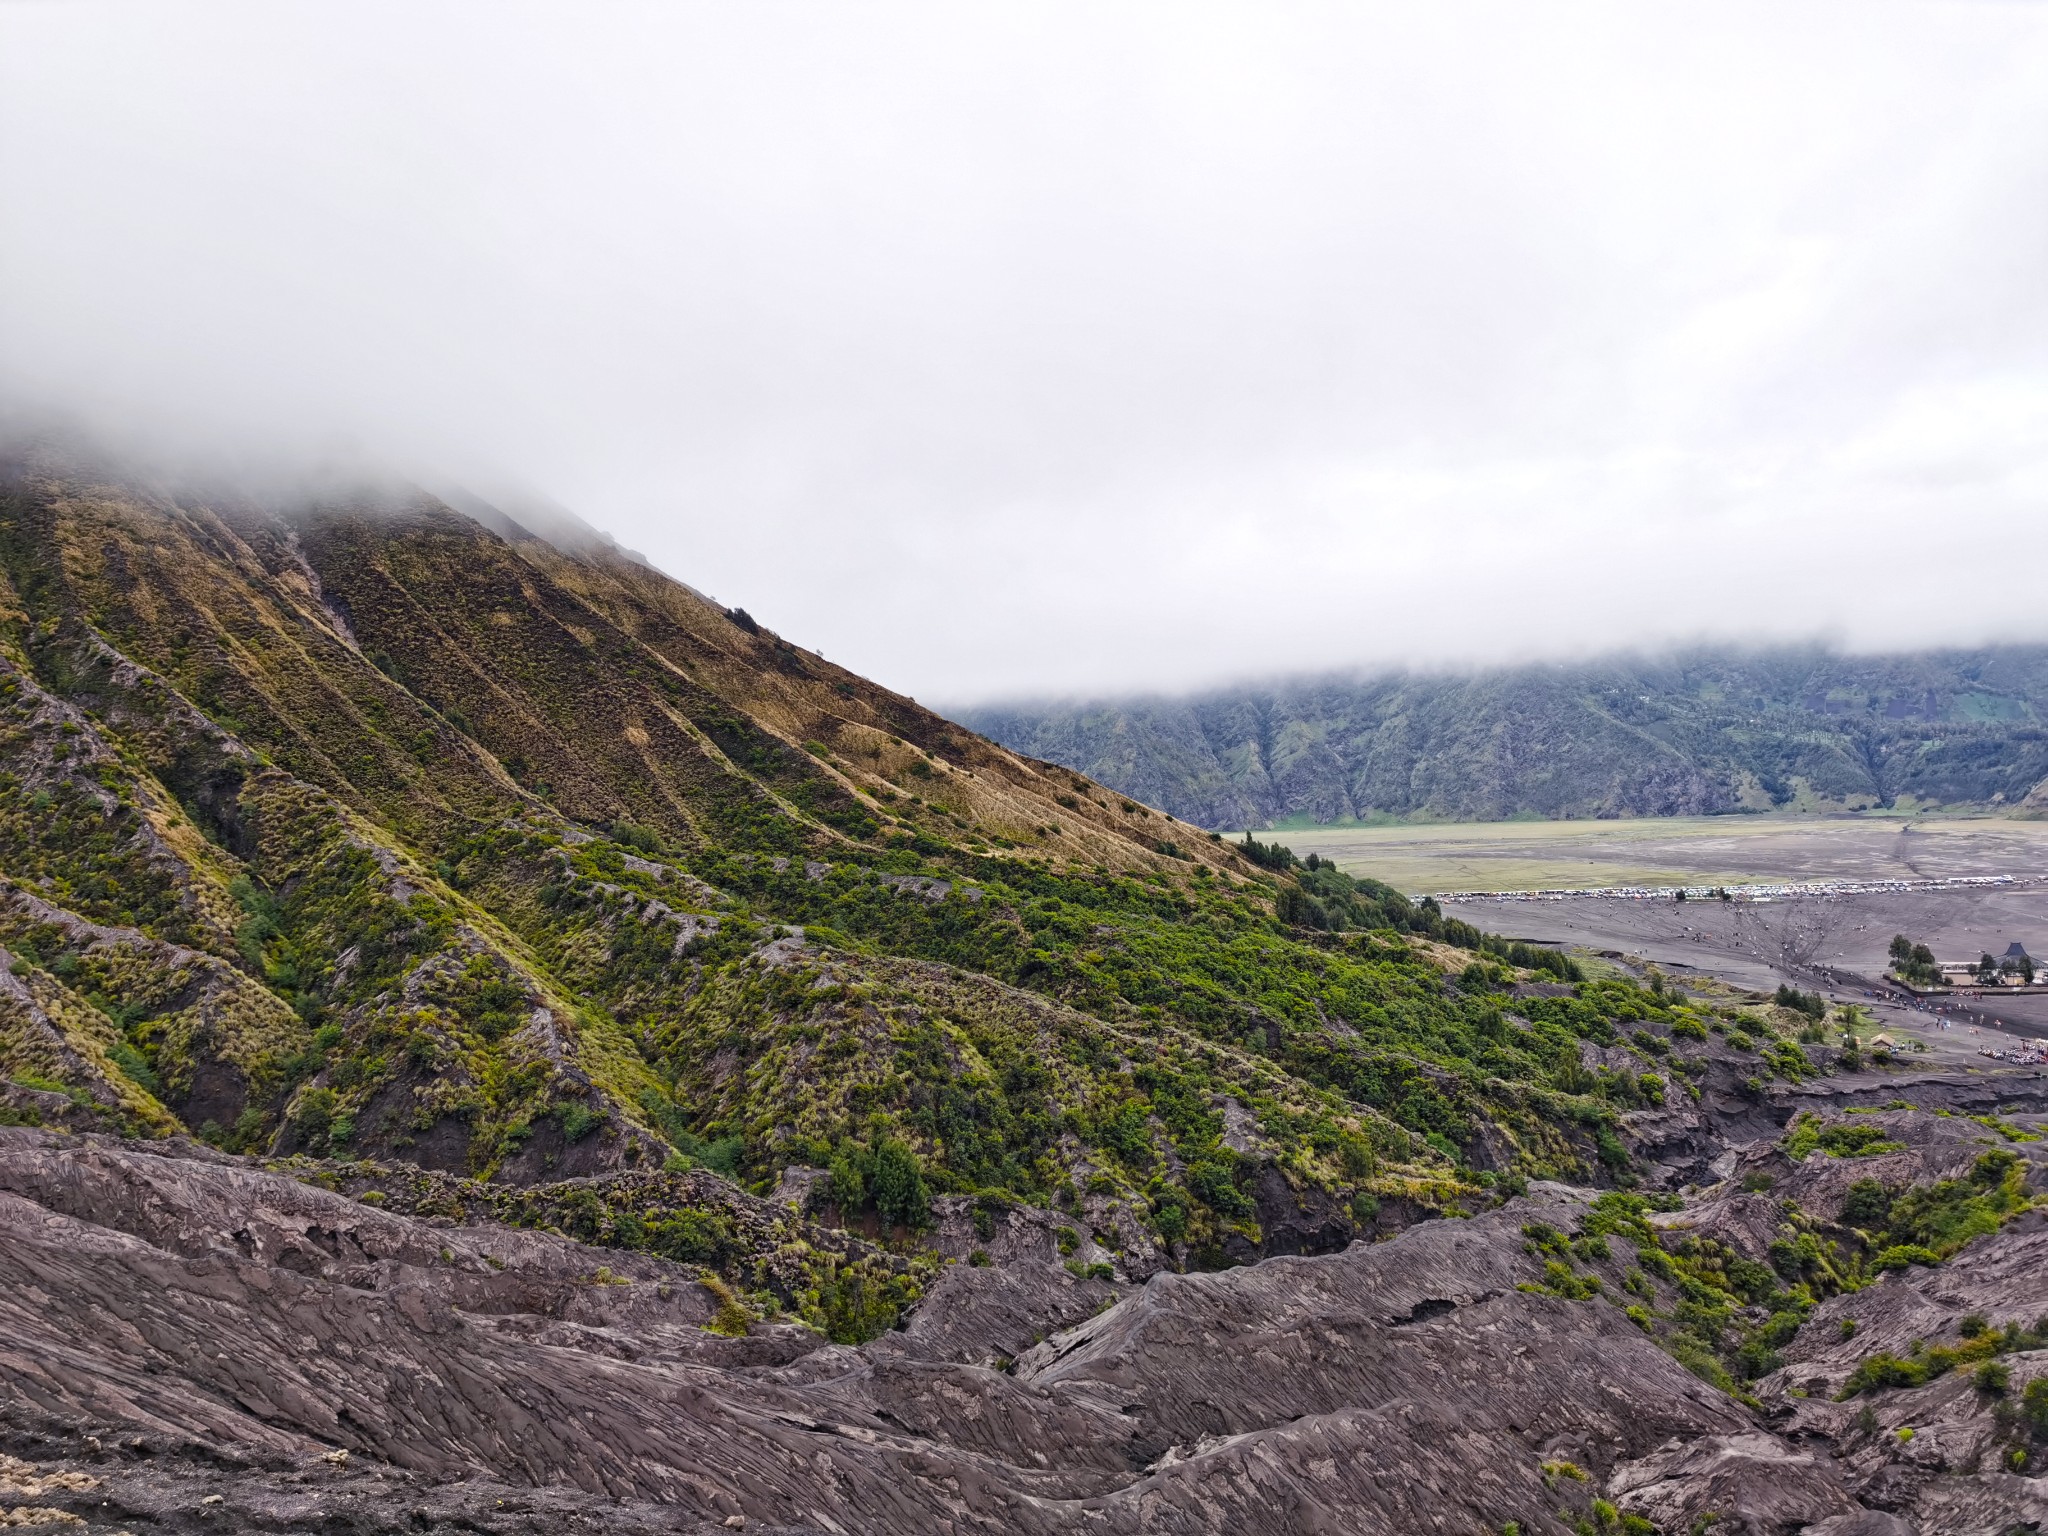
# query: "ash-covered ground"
1836, 943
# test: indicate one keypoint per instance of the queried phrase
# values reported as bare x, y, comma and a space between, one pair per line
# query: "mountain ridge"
492, 1039
354, 824
1697, 733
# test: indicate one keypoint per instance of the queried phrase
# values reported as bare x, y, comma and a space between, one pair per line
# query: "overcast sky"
1001, 351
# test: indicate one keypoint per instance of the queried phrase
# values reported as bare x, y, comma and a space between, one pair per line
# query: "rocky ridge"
492, 1039
183, 1326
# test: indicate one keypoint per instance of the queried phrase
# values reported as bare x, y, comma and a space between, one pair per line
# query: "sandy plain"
1790, 922
1702, 850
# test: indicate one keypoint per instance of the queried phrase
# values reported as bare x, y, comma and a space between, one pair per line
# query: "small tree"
897, 1186
1868, 1205
1267, 855
849, 1186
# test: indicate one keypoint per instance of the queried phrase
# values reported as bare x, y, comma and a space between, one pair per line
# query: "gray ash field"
1835, 942
1805, 914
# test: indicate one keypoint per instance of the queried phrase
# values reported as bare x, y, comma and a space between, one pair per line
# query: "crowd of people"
1944, 1014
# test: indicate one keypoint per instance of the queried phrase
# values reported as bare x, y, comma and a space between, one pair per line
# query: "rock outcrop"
178, 1326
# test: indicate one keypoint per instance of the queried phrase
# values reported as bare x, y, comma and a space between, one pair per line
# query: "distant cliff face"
1696, 734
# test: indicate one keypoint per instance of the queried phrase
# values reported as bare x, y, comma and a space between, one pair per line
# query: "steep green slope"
1702, 733
368, 827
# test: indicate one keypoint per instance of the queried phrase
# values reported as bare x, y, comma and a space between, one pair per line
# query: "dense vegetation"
1914, 964
368, 832
1726, 1316
1322, 896
1699, 733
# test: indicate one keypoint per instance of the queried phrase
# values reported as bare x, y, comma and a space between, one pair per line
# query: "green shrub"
896, 1185
1810, 1133
1925, 1363
729, 1318
578, 1120
1170, 1219
2034, 1405
646, 839
848, 1186
135, 1066
1561, 1280
988, 1210
1214, 1182
1868, 1205
691, 1237
313, 1114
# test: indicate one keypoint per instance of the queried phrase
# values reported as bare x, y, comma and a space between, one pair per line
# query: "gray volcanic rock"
178, 1326
986, 1313
1752, 1480
1864, 1522
220, 1310
2004, 1280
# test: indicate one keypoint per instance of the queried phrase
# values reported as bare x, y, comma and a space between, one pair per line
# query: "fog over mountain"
1050, 349
490, 1040
499, 1032
1703, 731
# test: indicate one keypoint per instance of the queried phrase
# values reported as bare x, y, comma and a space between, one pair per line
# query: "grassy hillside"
1702, 733
370, 828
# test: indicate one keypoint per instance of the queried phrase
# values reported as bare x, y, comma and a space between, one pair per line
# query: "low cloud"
1046, 349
